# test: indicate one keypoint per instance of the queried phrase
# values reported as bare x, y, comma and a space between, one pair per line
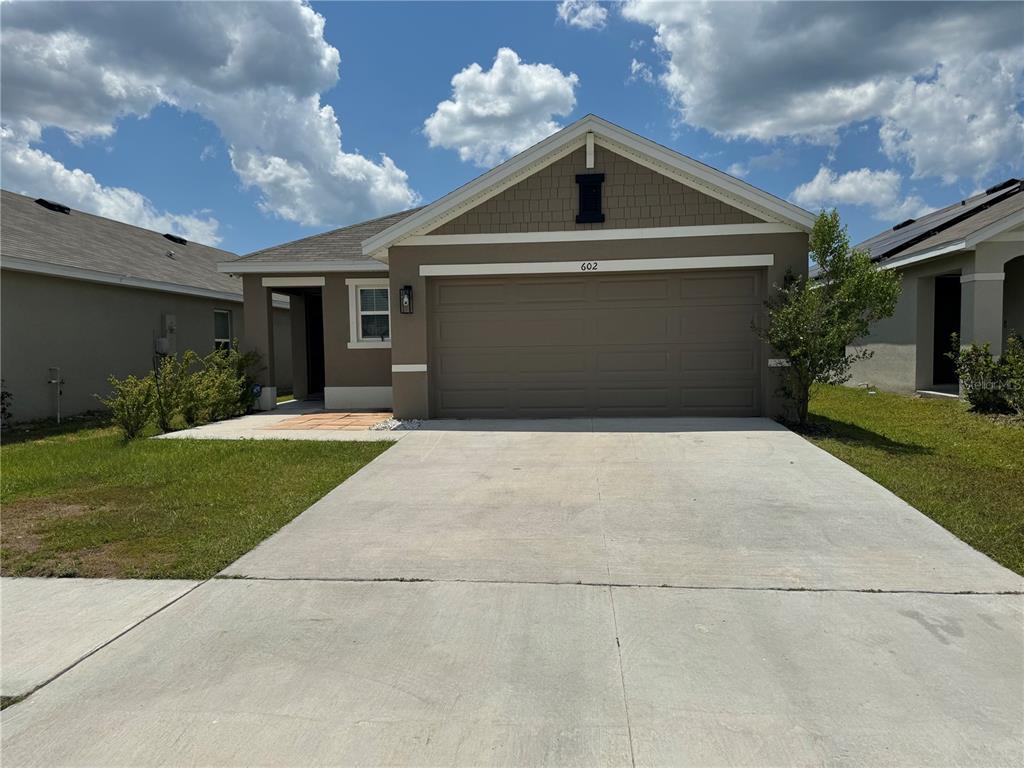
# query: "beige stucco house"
963, 273
595, 274
83, 297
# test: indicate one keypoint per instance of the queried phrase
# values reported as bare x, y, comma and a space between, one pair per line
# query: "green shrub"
991, 384
173, 387
227, 382
5, 405
1013, 364
130, 403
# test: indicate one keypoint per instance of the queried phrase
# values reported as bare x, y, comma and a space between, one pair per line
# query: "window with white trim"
222, 329
369, 312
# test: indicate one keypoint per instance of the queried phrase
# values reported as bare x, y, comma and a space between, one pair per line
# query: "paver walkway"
345, 420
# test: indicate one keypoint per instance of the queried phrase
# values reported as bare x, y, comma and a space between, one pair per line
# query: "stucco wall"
92, 330
409, 332
632, 196
903, 344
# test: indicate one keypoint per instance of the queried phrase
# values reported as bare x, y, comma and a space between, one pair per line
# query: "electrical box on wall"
167, 344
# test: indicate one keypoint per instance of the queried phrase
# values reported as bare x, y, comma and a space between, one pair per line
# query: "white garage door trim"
597, 265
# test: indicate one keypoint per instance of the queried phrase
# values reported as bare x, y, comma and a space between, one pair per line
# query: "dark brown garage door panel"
628, 344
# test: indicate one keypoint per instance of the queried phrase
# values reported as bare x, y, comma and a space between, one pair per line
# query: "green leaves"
814, 324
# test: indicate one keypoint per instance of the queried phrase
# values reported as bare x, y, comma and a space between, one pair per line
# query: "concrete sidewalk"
49, 624
315, 673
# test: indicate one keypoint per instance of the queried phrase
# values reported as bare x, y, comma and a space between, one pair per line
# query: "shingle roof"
84, 241
949, 224
345, 244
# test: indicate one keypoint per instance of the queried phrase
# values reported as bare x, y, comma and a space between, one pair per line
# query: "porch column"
258, 314
981, 299
297, 317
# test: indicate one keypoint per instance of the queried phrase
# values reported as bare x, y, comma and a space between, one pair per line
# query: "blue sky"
884, 110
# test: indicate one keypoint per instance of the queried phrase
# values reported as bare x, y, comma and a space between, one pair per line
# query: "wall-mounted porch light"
405, 299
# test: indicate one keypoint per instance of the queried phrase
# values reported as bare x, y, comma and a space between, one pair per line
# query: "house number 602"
588, 266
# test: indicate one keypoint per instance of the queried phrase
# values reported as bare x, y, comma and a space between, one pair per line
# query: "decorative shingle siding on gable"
633, 196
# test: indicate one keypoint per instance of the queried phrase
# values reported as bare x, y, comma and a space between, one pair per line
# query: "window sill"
369, 345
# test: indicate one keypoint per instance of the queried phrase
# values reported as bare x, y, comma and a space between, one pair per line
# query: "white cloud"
770, 70
496, 113
638, 70
585, 14
770, 161
30, 170
255, 70
879, 190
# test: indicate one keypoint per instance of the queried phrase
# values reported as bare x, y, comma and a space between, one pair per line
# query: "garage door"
637, 344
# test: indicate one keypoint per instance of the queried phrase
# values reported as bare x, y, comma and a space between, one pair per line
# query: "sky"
244, 125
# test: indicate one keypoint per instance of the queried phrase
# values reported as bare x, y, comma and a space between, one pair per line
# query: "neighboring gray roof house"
963, 273
50, 238
85, 297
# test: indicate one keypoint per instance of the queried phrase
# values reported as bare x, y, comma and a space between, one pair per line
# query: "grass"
77, 501
962, 469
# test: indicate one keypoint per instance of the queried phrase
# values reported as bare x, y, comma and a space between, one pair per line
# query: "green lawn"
963, 470
79, 502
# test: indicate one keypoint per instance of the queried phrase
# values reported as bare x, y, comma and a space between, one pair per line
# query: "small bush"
173, 387
991, 384
1013, 364
130, 404
5, 406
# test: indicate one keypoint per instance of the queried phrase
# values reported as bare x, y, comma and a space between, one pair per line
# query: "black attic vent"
590, 198
1001, 185
176, 239
903, 224
58, 207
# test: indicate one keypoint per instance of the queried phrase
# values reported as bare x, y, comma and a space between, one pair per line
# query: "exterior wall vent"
50, 205
176, 239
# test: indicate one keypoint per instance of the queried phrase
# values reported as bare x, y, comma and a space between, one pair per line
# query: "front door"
947, 322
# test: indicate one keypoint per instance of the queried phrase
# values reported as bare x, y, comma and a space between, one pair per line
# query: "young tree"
813, 323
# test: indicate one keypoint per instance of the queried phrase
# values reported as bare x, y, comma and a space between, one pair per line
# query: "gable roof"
709, 180
954, 227
339, 249
80, 245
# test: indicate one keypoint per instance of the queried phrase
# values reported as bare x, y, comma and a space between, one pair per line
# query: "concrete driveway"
569, 593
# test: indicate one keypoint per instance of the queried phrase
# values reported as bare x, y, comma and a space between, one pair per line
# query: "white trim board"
597, 235
342, 398
597, 267
941, 250
709, 180
294, 282
94, 276
409, 368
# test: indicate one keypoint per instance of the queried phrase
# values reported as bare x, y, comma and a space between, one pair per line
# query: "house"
84, 297
594, 274
963, 273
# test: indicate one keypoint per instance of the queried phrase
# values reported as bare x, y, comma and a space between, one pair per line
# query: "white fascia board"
932, 253
95, 276
299, 267
720, 185
597, 235
598, 266
996, 228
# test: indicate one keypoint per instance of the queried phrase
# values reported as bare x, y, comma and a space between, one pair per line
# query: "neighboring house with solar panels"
963, 273
84, 297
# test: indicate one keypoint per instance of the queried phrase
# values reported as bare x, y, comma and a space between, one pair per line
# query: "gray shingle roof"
84, 241
954, 222
345, 244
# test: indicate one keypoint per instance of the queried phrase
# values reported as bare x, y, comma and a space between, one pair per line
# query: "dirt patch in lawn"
23, 543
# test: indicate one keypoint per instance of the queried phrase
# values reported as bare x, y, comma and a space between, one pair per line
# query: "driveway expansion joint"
616, 585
